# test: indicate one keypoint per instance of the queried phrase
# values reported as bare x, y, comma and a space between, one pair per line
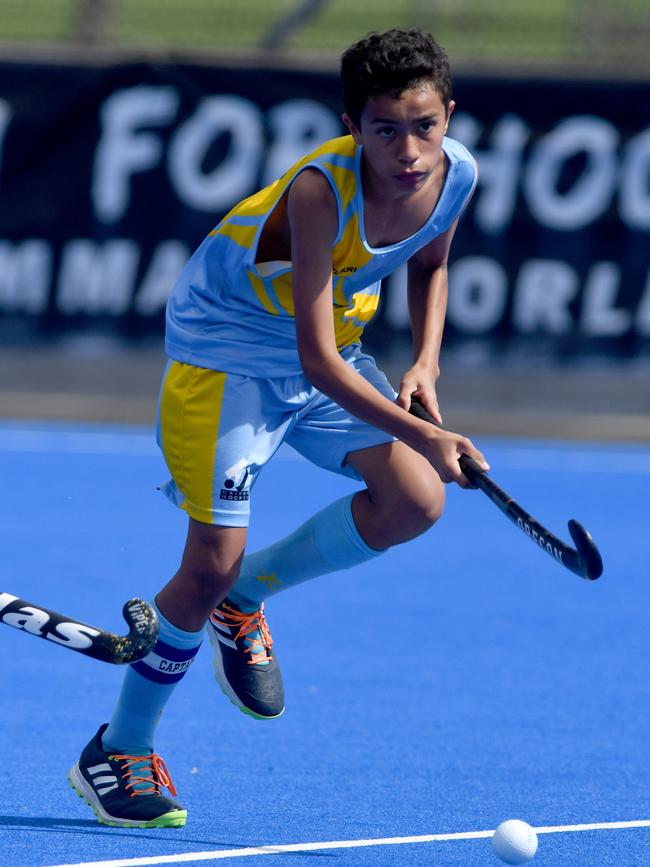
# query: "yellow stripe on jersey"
350, 252
283, 286
190, 412
262, 295
242, 235
346, 182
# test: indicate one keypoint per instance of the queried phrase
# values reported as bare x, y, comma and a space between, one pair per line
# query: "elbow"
314, 373
318, 368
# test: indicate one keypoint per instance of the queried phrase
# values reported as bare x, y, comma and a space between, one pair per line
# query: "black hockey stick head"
143, 632
589, 557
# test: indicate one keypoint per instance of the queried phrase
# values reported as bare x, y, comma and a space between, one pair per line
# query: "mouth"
410, 178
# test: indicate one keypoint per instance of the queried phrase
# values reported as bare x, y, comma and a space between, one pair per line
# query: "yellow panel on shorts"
190, 412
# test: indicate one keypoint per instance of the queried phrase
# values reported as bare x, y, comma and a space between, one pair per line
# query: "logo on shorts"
236, 478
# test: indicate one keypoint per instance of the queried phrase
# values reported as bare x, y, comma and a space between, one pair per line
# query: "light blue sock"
146, 688
327, 542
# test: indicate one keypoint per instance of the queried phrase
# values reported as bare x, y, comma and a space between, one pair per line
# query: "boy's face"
402, 137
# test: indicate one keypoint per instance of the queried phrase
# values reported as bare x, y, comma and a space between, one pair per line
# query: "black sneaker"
244, 667
125, 790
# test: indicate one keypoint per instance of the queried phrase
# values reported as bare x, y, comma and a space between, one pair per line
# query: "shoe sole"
222, 680
173, 819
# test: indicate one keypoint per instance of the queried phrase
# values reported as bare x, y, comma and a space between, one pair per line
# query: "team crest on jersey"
234, 487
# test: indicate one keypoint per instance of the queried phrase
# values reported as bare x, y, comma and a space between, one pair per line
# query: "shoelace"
248, 623
149, 779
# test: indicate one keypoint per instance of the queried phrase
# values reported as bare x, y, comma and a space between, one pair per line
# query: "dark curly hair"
390, 63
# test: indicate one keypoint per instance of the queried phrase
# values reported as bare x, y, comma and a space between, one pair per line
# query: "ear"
450, 111
354, 130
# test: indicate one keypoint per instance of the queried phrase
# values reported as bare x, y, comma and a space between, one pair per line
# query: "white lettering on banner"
241, 120
297, 127
541, 297
25, 269
543, 291
504, 170
480, 294
635, 182
124, 149
5, 118
166, 264
599, 316
643, 313
592, 192
93, 277
500, 167
97, 278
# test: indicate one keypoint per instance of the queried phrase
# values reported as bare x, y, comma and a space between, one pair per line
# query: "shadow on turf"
90, 826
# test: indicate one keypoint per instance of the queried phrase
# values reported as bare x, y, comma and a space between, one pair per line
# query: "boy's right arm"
313, 220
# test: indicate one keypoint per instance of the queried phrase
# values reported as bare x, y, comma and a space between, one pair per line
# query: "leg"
118, 773
209, 568
128, 791
352, 530
400, 482
404, 496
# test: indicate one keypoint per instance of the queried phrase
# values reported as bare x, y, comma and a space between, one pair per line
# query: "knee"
411, 512
422, 509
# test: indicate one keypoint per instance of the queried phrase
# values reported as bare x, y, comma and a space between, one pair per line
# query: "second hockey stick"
76, 635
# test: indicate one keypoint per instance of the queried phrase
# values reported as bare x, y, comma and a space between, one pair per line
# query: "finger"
430, 403
404, 396
403, 400
460, 479
452, 473
468, 448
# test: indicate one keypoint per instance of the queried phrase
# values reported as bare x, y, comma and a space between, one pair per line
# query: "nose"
409, 150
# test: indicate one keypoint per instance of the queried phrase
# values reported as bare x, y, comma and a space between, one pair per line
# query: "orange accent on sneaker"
155, 775
248, 623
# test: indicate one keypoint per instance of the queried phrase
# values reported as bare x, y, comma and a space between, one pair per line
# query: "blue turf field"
459, 681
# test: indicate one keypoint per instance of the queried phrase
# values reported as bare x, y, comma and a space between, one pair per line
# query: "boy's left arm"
427, 303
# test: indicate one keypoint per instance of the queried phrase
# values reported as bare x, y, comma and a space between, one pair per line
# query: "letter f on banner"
123, 150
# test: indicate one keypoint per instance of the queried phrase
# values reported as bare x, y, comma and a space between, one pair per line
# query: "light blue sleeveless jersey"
227, 313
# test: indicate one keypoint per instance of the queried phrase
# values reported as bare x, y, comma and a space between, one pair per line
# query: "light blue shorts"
218, 430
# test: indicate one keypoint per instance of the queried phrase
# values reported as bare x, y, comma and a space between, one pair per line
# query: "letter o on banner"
298, 126
592, 192
635, 182
235, 176
478, 291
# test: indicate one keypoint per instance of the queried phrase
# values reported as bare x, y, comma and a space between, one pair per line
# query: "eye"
385, 132
426, 126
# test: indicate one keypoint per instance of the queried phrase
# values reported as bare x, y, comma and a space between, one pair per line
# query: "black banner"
111, 175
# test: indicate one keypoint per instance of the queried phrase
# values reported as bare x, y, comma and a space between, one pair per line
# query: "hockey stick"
89, 640
583, 560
